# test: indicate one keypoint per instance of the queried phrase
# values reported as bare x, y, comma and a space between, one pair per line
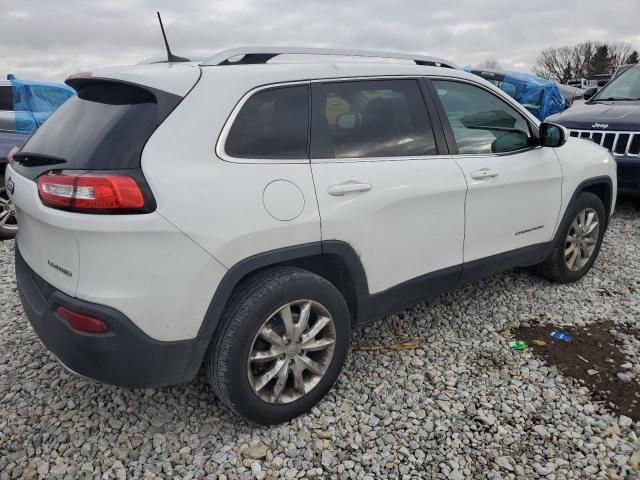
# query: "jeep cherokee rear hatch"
81, 171
104, 128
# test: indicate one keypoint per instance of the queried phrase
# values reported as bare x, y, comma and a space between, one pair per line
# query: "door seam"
466, 198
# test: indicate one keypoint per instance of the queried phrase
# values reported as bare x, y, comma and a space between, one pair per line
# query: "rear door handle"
484, 174
349, 187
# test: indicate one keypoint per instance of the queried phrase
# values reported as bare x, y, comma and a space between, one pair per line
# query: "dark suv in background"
611, 118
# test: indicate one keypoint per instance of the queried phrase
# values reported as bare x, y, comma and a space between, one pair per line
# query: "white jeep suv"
248, 211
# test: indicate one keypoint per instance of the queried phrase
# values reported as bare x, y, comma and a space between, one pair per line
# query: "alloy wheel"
8, 221
291, 352
582, 239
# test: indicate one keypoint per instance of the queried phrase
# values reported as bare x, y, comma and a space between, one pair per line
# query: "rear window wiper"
27, 159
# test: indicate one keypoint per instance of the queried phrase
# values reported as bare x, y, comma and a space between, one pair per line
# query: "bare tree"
620, 51
555, 64
490, 64
582, 60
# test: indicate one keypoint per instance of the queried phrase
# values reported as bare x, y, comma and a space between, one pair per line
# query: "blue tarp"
34, 102
25, 121
541, 97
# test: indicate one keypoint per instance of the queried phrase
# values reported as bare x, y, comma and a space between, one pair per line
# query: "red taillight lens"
81, 322
90, 191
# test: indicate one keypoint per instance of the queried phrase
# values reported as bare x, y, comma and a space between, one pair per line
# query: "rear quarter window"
272, 124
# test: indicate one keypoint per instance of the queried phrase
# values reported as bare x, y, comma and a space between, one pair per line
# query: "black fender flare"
246, 267
579, 189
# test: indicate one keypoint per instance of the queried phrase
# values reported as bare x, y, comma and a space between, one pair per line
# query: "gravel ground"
462, 406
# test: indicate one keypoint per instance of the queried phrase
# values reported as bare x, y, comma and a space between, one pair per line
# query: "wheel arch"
602, 187
335, 261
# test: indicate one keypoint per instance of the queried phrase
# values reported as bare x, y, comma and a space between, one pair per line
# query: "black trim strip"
442, 116
521, 257
434, 119
408, 293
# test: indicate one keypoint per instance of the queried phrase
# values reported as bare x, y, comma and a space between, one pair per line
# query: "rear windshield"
104, 127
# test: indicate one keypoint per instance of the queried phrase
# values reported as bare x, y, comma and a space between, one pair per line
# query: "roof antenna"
170, 56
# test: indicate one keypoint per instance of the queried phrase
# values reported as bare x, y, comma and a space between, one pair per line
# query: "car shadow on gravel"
595, 357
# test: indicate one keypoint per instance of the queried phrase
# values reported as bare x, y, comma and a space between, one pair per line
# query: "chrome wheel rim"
291, 352
582, 239
7, 212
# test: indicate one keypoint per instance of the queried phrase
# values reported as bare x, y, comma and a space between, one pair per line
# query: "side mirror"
552, 135
589, 92
510, 141
348, 121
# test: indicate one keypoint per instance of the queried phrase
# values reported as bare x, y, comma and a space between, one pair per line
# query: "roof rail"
259, 55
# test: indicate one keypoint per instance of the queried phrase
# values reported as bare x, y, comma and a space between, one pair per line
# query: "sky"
50, 40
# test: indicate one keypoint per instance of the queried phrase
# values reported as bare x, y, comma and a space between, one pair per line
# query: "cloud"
41, 39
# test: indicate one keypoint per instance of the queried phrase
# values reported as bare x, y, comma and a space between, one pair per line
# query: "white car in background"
248, 213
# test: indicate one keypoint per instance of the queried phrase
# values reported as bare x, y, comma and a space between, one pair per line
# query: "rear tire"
280, 346
8, 223
578, 240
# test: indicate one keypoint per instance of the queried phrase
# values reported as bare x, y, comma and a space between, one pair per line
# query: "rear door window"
373, 118
272, 124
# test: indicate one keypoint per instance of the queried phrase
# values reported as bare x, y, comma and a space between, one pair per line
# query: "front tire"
578, 241
280, 346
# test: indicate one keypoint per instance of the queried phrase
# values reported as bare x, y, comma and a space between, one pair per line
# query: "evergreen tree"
567, 74
600, 61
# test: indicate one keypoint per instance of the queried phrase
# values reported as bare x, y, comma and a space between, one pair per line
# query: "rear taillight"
82, 322
90, 192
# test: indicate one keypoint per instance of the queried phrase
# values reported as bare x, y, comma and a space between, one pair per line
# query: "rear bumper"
124, 356
628, 175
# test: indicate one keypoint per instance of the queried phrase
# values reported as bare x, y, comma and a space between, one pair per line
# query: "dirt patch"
594, 356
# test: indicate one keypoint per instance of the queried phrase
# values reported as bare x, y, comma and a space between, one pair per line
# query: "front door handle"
349, 187
484, 174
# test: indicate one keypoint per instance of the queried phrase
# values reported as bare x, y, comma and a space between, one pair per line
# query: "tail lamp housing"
93, 192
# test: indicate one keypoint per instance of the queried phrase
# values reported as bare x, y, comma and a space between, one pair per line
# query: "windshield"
624, 87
